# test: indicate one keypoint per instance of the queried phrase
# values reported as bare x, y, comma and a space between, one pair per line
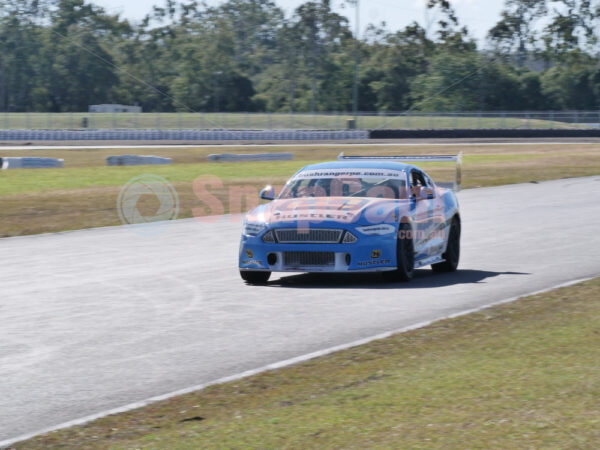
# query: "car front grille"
308, 236
296, 259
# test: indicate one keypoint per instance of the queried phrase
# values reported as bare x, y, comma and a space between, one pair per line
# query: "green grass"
28, 181
520, 375
84, 194
21, 181
269, 121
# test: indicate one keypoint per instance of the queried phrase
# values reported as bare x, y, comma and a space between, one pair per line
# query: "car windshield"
372, 183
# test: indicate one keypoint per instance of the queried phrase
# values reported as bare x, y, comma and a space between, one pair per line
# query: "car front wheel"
405, 256
252, 277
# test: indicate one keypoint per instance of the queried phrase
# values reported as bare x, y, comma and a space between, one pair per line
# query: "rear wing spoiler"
457, 159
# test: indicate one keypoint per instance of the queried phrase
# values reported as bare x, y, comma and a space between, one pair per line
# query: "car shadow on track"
423, 278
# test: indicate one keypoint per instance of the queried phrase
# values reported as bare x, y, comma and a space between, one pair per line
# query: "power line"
109, 63
120, 69
447, 88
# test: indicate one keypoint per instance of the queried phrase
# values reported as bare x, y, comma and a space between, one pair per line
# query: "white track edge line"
279, 365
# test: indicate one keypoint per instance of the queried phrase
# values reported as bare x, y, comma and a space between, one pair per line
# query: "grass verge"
84, 193
242, 121
519, 375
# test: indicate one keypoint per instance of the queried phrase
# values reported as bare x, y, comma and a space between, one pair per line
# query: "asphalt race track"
93, 320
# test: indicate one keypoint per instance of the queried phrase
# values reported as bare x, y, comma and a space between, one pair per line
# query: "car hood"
319, 210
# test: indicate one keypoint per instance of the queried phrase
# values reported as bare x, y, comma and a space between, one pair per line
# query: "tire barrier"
29, 162
181, 135
484, 133
136, 160
251, 157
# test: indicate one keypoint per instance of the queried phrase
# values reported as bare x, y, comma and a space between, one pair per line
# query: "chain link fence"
305, 121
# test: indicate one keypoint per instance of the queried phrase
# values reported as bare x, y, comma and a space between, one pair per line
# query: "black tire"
252, 277
405, 256
452, 253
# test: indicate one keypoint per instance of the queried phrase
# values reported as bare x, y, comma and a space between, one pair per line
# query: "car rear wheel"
452, 253
252, 277
405, 256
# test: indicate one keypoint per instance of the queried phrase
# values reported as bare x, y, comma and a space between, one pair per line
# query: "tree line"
247, 55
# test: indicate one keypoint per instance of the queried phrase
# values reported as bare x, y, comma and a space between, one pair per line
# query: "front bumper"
368, 254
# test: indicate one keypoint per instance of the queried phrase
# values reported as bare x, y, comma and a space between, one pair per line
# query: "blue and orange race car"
356, 214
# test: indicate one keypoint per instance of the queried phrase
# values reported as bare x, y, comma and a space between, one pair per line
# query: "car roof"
362, 164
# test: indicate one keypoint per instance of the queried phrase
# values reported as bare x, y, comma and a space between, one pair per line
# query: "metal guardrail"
181, 135
305, 121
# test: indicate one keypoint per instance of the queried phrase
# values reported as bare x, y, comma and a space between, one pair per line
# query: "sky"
478, 15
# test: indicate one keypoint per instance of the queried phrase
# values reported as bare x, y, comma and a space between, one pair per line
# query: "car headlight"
252, 228
377, 230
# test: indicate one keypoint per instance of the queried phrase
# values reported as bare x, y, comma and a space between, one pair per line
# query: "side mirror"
268, 193
427, 193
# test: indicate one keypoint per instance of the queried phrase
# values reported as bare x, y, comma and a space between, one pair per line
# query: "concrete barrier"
285, 135
180, 135
28, 162
484, 133
251, 157
136, 160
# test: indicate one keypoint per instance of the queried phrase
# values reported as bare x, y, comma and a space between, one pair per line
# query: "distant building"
115, 109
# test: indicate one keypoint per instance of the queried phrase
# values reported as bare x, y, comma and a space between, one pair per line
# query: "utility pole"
356, 58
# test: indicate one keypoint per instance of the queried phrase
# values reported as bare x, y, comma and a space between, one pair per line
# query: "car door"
436, 234
421, 210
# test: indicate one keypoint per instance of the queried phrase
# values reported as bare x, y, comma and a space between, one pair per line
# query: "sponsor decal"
357, 173
283, 217
249, 253
377, 262
376, 254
